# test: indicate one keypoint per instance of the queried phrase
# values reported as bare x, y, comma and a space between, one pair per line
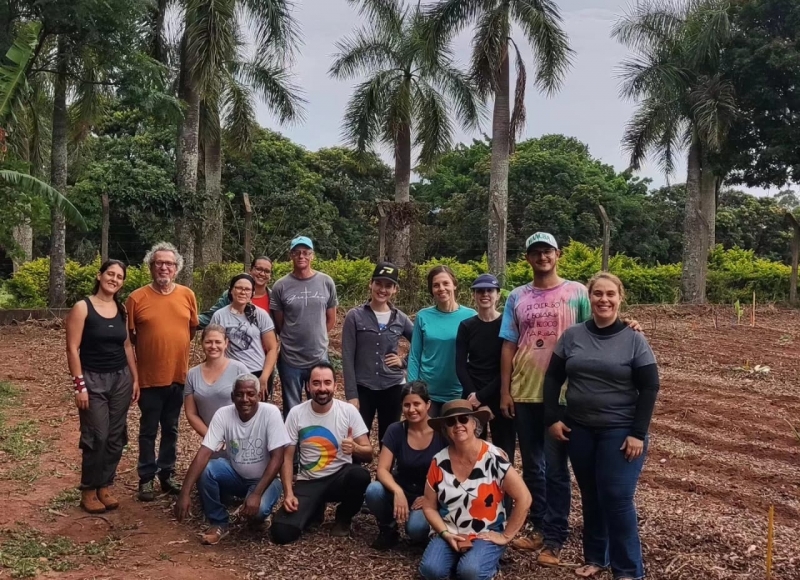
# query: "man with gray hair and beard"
254, 437
162, 318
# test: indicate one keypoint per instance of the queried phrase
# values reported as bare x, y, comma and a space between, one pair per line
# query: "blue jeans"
545, 470
294, 381
219, 480
480, 562
608, 483
381, 504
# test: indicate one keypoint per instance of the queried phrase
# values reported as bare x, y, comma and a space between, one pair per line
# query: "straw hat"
460, 407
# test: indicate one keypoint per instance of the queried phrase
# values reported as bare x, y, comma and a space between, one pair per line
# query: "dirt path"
721, 453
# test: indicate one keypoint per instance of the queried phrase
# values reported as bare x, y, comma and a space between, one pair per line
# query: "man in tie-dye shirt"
534, 318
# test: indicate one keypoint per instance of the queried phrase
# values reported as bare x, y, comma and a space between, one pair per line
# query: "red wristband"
79, 384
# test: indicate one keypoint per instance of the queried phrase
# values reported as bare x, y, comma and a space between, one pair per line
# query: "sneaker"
549, 558
90, 502
340, 530
530, 543
387, 539
213, 535
147, 491
170, 485
108, 500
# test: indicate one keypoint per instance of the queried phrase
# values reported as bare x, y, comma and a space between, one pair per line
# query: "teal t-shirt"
433, 351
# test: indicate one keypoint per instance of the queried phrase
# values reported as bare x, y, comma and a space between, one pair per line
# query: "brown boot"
90, 503
108, 500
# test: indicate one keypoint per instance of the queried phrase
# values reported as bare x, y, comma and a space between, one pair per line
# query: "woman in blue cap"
478, 346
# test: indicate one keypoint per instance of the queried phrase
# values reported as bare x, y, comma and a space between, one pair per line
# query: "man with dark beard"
162, 318
329, 433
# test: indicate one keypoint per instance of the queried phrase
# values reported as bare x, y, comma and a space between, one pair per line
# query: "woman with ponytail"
103, 369
249, 330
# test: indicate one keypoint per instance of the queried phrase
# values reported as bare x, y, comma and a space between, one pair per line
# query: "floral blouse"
475, 505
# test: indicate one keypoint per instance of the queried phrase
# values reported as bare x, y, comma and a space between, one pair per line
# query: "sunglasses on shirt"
451, 421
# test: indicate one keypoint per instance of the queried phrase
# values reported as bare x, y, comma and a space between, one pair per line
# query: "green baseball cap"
541, 238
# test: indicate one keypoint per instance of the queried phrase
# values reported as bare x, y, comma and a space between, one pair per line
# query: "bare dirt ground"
721, 453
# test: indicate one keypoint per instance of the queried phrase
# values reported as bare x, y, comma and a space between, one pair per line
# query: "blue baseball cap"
301, 241
486, 281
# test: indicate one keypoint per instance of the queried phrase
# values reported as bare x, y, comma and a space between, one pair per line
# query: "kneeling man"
329, 433
254, 438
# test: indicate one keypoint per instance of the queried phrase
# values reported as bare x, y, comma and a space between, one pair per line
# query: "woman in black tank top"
103, 370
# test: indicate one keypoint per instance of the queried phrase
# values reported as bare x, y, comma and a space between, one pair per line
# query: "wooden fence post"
105, 228
606, 236
248, 232
795, 254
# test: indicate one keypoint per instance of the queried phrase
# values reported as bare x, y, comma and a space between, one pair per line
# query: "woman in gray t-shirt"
209, 384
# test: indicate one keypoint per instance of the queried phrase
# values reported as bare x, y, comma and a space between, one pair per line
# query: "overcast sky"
587, 107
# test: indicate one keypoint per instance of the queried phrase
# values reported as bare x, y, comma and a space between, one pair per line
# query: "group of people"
556, 370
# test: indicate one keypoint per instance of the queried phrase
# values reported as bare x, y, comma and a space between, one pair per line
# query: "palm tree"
230, 104
685, 103
540, 22
213, 30
403, 102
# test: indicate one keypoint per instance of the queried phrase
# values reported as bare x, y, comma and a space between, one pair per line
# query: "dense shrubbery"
733, 275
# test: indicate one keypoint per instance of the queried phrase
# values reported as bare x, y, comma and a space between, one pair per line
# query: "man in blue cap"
303, 306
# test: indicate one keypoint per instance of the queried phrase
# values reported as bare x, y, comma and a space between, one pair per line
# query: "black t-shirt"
411, 465
478, 347
102, 347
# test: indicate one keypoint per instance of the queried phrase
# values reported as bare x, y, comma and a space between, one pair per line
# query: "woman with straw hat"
463, 502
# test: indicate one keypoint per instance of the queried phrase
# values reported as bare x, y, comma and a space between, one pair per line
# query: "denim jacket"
365, 346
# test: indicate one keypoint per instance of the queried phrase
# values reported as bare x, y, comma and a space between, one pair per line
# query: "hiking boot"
387, 539
530, 543
170, 485
90, 503
147, 491
213, 535
549, 558
108, 500
340, 530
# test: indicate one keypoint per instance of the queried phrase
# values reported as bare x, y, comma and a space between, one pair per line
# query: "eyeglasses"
160, 264
242, 289
262, 271
451, 421
542, 252
302, 253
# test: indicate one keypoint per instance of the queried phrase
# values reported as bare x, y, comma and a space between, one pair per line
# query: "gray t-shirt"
244, 337
600, 389
304, 336
210, 398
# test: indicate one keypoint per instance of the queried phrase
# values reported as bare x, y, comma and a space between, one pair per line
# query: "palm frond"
460, 92
13, 76
209, 127
365, 111
274, 27
38, 188
541, 23
446, 18
655, 125
363, 53
210, 39
91, 99
649, 25
713, 110
708, 31
273, 85
399, 111
518, 113
642, 76
385, 15
489, 48
239, 114
434, 134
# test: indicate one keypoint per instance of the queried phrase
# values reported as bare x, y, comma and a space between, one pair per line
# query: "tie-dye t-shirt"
319, 437
535, 319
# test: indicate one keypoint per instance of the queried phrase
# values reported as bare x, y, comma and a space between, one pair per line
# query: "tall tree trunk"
212, 230
58, 179
498, 177
399, 231
695, 232
186, 168
23, 236
708, 200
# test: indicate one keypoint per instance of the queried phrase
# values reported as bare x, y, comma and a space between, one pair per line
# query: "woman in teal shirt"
433, 344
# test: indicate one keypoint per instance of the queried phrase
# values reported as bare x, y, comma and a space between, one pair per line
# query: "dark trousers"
545, 470
104, 426
387, 403
504, 435
159, 406
347, 486
608, 483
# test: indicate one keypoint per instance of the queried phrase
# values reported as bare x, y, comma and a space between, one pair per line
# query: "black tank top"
103, 342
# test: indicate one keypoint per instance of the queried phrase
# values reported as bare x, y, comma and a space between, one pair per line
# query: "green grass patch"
22, 441
26, 552
8, 393
66, 498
